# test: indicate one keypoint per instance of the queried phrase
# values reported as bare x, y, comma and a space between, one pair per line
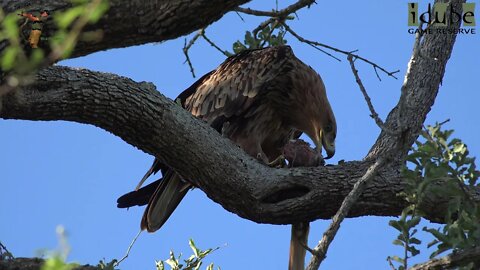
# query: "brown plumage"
260, 99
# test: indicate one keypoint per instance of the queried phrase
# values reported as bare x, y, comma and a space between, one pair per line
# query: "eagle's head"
313, 114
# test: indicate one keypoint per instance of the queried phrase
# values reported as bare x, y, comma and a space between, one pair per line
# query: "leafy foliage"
194, 262
14, 54
406, 226
21, 60
271, 35
57, 258
57, 263
71, 21
441, 166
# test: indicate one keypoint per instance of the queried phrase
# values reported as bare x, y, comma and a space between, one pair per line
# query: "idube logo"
440, 17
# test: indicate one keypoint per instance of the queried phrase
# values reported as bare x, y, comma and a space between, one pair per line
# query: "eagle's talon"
279, 162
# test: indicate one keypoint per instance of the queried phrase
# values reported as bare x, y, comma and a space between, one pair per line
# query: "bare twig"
226, 53
320, 251
307, 248
254, 12
452, 261
373, 113
314, 44
5, 253
263, 25
240, 16
376, 73
318, 44
186, 48
128, 249
280, 13
279, 17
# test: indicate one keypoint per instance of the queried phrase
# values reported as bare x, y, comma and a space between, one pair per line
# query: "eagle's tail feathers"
153, 170
299, 239
164, 201
138, 197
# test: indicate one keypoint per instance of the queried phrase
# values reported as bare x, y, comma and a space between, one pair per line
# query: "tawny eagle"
260, 99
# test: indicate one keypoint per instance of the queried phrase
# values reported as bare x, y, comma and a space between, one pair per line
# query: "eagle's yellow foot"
279, 162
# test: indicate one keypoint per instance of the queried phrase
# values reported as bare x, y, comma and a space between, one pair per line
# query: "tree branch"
419, 90
280, 13
320, 251
129, 23
452, 261
373, 113
317, 46
143, 117
34, 264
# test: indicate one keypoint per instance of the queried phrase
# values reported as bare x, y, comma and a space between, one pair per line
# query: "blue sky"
71, 174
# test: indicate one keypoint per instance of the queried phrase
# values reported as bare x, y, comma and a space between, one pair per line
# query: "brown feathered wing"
230, 94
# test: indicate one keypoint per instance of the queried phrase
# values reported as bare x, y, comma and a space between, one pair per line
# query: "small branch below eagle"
319, 253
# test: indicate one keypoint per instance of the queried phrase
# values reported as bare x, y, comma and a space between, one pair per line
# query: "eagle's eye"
328, 128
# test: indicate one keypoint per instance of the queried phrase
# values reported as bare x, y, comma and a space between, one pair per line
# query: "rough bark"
452, 261
135, 22
143, 117
34, 264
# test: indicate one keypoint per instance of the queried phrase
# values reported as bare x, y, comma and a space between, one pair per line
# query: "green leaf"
10, 27
395, 224
36, 57
459, 148
197, 266
99, 11
206, 252
65, 19
413, 250
57, 263
398, 242
398, 259
9, 56
159, 265
415, 241
194, 248
413, 222
238, 47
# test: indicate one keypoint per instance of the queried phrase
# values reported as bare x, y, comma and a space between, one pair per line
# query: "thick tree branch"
141, 116
420, 87
34, 264
452, 261
279, 13
135, 22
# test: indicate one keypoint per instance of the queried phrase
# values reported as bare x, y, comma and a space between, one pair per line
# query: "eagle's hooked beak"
328, 146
